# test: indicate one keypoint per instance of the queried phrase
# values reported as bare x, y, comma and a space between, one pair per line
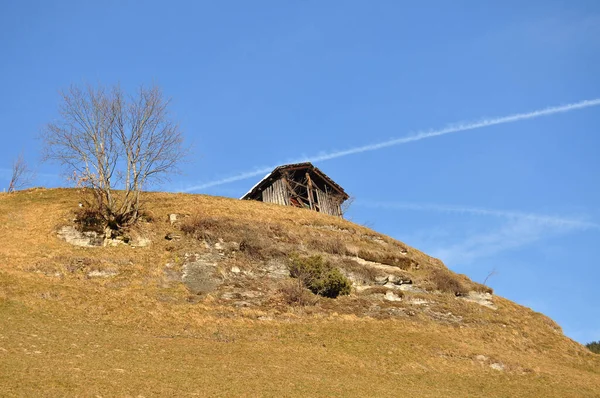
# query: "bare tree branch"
21, 175
107, 141
489, 275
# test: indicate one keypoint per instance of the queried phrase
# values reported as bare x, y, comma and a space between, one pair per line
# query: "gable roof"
278, 171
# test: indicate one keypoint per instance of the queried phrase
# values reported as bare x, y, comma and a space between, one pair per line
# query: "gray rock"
200, 275
277, 269
140, 241
101, 274
381, 280
84, 239
391, 296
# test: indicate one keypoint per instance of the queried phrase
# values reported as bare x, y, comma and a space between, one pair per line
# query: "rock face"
200, 274
484, 299
78, 238
75, 237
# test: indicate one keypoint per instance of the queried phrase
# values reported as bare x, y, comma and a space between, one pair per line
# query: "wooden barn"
300, 185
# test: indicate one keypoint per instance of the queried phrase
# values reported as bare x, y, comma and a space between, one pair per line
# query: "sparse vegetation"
327, 245
367, 274
319, 276
381, 290
387, 258
295, 293
66, 332
444, 281
253, 242
594, 346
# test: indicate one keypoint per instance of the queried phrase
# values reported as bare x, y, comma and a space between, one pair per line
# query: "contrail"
555, 221
411, 138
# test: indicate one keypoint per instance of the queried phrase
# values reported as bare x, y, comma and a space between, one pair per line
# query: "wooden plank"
309, 191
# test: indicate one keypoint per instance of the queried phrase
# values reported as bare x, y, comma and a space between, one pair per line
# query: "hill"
197, 301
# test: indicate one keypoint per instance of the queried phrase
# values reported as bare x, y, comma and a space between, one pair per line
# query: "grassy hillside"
204, 310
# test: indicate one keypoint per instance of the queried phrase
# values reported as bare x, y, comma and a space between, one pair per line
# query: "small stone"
391, 296
172, 236
481, 358
497, 366
381, 280
172, 218
235, 270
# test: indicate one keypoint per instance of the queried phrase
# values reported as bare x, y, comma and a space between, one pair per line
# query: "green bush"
319, 276
594, 346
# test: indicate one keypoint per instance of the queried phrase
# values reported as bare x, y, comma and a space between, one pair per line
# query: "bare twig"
21, 175
489, 275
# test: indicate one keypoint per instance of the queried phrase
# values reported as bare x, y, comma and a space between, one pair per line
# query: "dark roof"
276, 173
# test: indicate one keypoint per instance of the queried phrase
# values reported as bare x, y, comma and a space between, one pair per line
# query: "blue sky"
261, 83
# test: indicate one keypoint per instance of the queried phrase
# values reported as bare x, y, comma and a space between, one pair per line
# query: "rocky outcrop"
199, 274
84, 239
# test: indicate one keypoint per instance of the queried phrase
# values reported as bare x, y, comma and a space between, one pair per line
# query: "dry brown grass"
386, 257
381, 290
64, 333
294, 292
328, 245
446, 282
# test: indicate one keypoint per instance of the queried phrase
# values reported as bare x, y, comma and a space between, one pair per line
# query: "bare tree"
107, 140
21, 175
346, 205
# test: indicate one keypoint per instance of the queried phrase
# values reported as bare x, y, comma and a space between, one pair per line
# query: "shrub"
319, 276
594, 347
446, 282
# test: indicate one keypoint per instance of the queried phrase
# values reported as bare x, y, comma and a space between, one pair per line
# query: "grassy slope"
62, 333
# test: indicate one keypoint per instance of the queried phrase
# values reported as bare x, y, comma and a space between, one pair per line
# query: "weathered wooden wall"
276, 193
328, 204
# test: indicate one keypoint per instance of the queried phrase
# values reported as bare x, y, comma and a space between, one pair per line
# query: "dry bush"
481, 288
295, 293
327, 245
444, 281
204, 228
147, 215
254, 242
89, 219
257, 247
279, 233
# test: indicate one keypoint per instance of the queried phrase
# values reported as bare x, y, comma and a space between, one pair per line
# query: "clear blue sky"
259, 83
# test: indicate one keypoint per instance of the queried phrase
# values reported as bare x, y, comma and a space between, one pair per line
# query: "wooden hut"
300, 185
